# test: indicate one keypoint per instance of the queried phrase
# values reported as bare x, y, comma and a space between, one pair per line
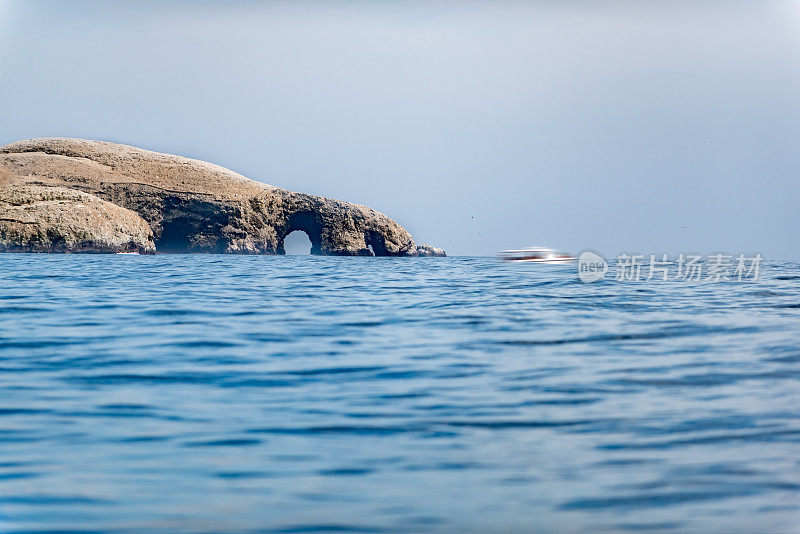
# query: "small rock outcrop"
54, 219
76, 195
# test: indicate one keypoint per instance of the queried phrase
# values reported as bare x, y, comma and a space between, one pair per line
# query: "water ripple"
277, 394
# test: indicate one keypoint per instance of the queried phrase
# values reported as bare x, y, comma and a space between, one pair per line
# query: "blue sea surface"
206, 393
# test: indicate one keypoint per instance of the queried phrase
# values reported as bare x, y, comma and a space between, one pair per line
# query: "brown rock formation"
190, 205
53, 219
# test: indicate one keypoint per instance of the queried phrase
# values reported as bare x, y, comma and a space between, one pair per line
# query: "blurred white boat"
128, 253
535, 255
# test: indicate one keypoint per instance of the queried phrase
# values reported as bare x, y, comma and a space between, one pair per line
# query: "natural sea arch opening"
305, 227
376, 244
297, 243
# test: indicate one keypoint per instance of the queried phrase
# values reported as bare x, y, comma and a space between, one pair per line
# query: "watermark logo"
685, 268
591, 267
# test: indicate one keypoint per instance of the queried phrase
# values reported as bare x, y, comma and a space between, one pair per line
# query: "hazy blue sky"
636, 126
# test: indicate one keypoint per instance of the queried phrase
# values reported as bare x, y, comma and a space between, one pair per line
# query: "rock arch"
195, 206
304, 221
376, 243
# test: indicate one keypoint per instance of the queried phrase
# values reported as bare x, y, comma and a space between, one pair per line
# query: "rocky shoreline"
76, 195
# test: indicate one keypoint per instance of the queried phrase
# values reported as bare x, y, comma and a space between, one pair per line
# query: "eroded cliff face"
189, 205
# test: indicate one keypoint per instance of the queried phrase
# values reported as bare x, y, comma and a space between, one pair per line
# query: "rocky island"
77, 195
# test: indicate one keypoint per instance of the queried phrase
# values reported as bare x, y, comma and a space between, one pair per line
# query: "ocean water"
310, 394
